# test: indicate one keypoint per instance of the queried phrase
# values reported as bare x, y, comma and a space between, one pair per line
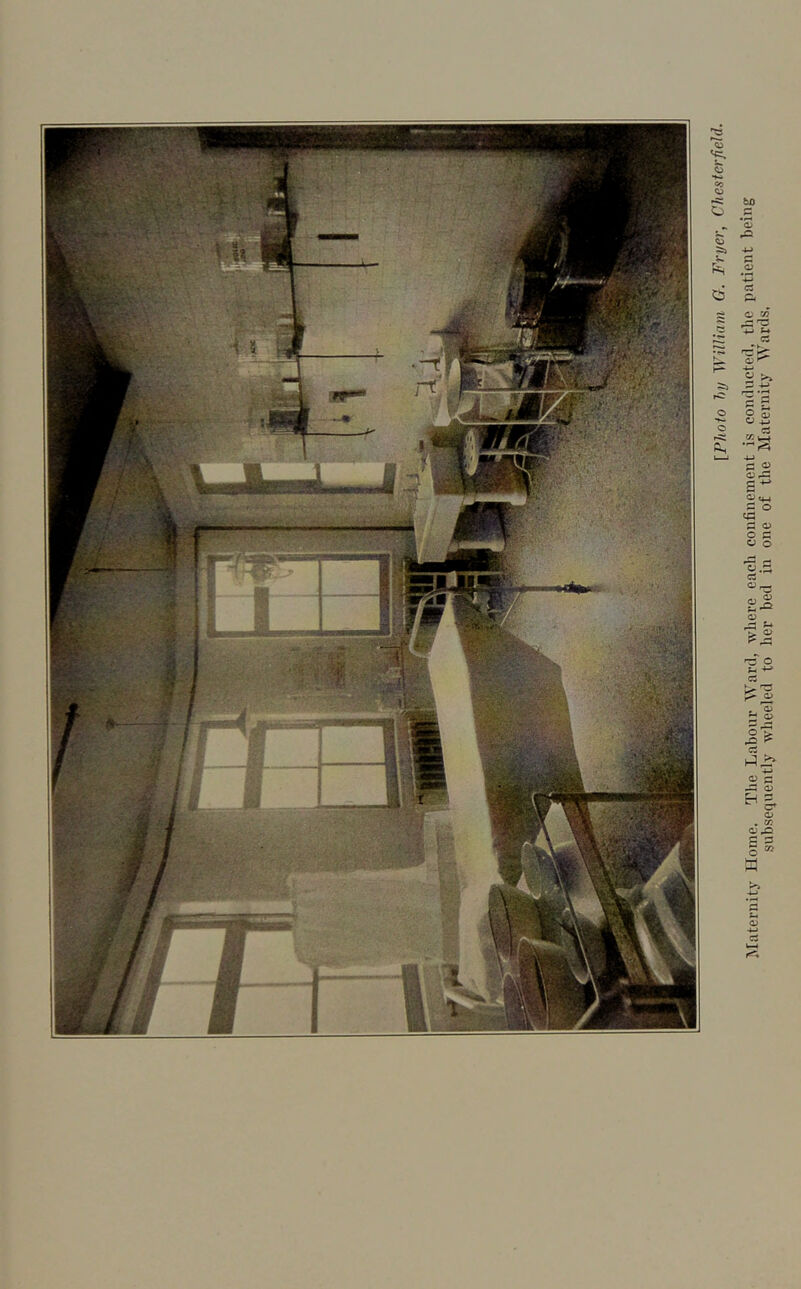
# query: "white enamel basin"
443, 348
462, 387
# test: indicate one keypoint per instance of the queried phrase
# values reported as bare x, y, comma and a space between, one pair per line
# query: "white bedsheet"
505, 729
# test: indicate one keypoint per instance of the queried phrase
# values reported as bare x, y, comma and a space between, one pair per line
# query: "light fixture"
262, 569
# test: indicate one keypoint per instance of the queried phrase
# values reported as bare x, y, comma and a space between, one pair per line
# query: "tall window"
297, 766
318, 595
293, 476
239, 975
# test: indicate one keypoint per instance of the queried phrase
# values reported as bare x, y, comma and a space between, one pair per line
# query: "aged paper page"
611, 1158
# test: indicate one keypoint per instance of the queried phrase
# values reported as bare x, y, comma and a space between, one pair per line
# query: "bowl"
539, 871
462, 387
552, 996
594, 949
512, 914
513, 1006
687, 854
543, 883
664, 920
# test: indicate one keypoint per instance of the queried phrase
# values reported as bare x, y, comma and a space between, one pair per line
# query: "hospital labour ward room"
370, 575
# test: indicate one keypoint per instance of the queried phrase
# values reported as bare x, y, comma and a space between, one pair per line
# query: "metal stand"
473, 452
558, 393
637, 988
571, 588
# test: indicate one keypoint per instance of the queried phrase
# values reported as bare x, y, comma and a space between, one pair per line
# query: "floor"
612, 508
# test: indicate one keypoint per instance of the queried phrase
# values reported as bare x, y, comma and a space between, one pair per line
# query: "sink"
441, 494
441, 352
440, 497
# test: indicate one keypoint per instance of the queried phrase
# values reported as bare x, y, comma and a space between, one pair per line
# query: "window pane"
361, 1007
351, 577
276, 471
222, 788
266, 1009
343, 743
304, 578
353, 785
351, 613
288, 789
225, 747
270, 959
291, 746
224, 583
294, 613
234, 613
356, 474
194, 955
181, 1010
219, 472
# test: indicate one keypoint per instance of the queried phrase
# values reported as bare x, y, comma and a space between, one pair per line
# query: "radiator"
428, 768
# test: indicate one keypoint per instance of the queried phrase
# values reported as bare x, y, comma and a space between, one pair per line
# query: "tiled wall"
137, 213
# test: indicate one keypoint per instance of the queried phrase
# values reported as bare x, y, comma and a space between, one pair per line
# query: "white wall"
137, 212
111, 653
248, 854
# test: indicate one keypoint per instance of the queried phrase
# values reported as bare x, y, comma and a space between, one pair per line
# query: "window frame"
255, 485
254, 764
384, 581
228, 982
